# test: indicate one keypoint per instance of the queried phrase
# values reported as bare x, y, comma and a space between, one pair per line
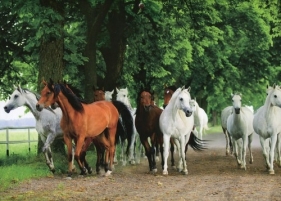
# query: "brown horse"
147, 125
99, 94
81, 120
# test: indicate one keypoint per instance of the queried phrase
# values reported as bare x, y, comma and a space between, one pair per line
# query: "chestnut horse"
87, 120
147, 125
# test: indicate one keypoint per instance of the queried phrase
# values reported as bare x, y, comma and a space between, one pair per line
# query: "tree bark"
51, 63
94, 18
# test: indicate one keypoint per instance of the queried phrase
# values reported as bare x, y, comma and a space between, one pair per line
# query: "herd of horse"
61, 113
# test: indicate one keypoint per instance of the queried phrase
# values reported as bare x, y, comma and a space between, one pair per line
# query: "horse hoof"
271, 172
108, 173
165, 172
154, 170
174, 167
132, 162
185, 172
90, 170
53, 171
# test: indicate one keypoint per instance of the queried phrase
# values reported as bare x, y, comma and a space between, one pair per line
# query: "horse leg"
166, 153
68, 143
244, 148
227, 150
182, 150
271, 153
278, 158
148, 152
87, 143
47, 150
263, 143
236, 154
172, 150
132, 157
250, 139
79, 145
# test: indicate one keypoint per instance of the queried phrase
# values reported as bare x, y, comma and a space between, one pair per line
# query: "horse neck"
268, 108
67, 110
197, 108
31, 102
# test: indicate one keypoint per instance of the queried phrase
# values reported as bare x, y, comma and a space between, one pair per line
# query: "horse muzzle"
7, 109
39, 107
188, 112
237, 110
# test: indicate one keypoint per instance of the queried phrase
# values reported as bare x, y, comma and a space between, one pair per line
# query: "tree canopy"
216, 47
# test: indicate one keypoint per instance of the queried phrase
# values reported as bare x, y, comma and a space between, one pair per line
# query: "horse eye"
16, 96
275, 96
181, 99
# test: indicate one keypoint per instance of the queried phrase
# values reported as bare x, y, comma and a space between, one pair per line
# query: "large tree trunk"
51, 63
94, 18
114, 53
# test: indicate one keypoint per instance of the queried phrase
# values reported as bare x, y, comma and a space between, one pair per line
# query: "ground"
211, 176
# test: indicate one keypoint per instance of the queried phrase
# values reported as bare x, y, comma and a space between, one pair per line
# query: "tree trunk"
114, 53
51, 63
94, 18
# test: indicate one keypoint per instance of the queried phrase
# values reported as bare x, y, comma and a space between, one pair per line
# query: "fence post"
7, 142
29, 140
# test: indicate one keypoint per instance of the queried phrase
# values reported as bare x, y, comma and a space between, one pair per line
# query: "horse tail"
125, 124
195, 143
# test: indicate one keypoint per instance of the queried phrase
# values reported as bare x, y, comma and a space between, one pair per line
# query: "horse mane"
37, 96
74, 101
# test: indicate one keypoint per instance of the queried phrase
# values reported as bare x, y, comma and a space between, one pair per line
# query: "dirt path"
212, 176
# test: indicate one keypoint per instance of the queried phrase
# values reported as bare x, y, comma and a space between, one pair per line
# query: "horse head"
168, 92
99, 94
237, 102
48, 95
183, 101
16, 99
274, 95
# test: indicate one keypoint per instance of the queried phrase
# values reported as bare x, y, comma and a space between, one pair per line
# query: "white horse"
47, 121
267, 125
240, 126
226, 112
177, 121
122, 95
200, 118
108, 95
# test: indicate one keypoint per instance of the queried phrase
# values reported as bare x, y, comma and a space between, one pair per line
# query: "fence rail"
8, 141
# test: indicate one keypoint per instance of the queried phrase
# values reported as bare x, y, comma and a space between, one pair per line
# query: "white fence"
8, 125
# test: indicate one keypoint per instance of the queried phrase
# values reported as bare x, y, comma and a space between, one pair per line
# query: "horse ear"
274, 85
183, 87
188, 89
116, 89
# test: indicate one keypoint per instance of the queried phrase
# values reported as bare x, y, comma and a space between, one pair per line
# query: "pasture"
211, 176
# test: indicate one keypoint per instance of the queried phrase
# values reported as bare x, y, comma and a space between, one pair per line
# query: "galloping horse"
177, 121
122, 95
200, 118
47, 121
226, 112
268, 126
147, 125
240, 126
81, 120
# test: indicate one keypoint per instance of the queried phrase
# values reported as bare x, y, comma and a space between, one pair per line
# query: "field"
212, 176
